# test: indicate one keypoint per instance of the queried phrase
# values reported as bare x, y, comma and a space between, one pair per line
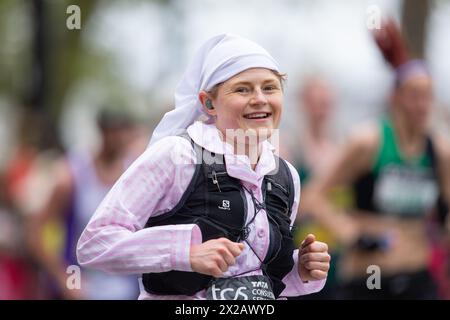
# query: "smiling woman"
218, 227
250, 100
248, 104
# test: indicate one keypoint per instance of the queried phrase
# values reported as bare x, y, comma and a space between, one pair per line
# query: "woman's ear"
207, 103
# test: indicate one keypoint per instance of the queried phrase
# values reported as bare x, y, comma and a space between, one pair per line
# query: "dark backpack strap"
430, 151
290, 183
283, 178
279, 200
442, 208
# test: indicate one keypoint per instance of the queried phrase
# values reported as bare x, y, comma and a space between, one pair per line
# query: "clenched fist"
215, 256
313, 259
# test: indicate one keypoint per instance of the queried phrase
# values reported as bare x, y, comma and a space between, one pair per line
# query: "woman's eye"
270, 88
242, 90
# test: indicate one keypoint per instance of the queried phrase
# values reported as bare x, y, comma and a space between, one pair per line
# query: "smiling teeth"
257, 115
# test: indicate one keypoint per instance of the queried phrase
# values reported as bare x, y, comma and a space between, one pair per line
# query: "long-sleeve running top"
116, 241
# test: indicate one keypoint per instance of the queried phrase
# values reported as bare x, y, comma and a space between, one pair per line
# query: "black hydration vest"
216, 203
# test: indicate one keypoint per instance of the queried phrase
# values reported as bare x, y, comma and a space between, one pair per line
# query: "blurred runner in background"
18, 277
313, 152
81, 182
399, 170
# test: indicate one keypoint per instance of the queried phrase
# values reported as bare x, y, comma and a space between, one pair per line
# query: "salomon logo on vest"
225, 205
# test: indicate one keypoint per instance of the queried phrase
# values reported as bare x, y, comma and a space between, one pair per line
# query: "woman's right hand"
215, 256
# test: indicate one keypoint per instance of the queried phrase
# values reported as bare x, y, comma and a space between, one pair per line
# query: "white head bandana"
217, 60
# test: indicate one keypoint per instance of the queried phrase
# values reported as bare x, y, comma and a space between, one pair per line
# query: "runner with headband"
206, 211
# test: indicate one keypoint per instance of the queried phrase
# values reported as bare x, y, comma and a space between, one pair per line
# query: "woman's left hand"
313, 259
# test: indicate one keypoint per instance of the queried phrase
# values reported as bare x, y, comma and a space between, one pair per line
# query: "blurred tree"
15, 48
414, 20
56, 54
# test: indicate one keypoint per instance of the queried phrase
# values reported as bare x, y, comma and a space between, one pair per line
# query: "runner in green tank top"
403, 186
398, 169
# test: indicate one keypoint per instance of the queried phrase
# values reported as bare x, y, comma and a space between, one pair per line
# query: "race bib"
405, 191
241, 288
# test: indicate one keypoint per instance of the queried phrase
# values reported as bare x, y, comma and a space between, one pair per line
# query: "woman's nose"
258, 97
